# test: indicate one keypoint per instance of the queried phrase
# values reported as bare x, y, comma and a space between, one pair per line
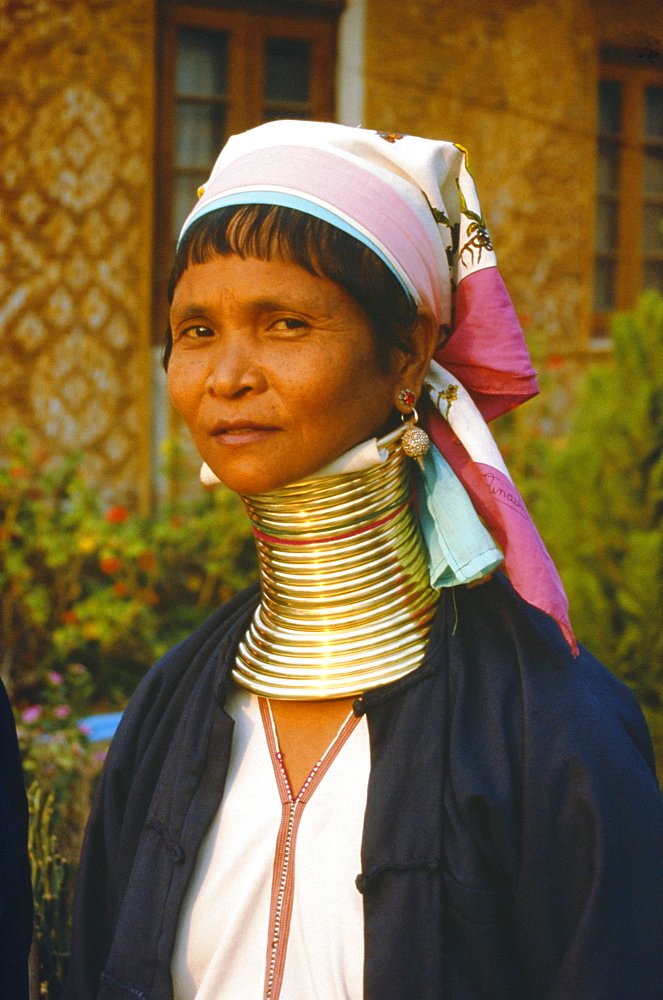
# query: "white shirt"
266, 851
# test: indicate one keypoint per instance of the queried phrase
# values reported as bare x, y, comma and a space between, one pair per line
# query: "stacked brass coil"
346, 598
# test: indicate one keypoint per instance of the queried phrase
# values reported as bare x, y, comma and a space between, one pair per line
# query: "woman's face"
273, 370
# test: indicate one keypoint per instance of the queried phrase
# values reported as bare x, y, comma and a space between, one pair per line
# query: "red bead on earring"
407, 397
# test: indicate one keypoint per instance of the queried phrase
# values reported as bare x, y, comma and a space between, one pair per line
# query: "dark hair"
270, 231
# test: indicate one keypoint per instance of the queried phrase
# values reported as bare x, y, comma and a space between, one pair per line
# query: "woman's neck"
346, 599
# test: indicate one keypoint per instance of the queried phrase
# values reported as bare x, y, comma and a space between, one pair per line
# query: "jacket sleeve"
119, 811
589, 888
554, 779
15, 887
128, 781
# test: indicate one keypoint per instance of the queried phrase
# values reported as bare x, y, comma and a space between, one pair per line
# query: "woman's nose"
234, 370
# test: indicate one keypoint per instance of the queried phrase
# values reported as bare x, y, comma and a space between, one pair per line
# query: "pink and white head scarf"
413, 201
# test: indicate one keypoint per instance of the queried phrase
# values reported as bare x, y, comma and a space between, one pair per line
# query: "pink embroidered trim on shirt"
283, 879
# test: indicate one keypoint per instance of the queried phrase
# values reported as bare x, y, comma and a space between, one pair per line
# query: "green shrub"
602, 510
596, 493
109, 589
52, 882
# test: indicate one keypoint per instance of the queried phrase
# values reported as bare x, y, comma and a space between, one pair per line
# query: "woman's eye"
196, 332
289, 323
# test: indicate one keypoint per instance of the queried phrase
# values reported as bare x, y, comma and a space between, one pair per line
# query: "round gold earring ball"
415, 442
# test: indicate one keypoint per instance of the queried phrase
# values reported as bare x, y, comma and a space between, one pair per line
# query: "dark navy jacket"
15, 886
513, 837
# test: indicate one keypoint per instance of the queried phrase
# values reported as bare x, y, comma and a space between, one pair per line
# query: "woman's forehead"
267, 284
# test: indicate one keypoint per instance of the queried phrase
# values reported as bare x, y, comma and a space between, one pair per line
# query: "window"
224, 71
629, 184
221, 71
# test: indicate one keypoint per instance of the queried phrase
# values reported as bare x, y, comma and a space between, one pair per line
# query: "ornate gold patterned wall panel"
76, 134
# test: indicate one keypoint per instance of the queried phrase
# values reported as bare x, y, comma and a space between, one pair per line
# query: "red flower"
69, 617
117, 515
120, 589
147, 562
555, 361
110, 565
18, 472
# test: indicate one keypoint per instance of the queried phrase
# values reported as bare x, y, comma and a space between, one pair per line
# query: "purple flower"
54, 677
32, 713
61, 711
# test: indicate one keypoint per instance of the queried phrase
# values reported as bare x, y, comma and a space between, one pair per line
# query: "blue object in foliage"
100, 727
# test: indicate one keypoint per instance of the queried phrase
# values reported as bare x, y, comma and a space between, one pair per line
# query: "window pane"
185, 197
287, 69
604, 285
606, 226
199, 134
607, 179
653, 275
274, 116
610, 106
654, 112
652, 229
202, 62
653, 171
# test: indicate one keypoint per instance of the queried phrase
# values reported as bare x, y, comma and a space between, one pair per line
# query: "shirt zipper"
292, 807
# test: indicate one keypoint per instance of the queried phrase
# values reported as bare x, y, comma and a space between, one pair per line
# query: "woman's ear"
412, 367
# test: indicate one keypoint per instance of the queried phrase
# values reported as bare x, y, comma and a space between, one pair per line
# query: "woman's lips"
239, 434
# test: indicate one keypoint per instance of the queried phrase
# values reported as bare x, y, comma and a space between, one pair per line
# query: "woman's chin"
255, 481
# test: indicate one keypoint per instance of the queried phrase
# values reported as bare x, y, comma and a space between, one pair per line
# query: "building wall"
514, 81
76, 135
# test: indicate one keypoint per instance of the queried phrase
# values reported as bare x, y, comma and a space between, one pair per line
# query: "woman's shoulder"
510, 668
512, 659
170, 683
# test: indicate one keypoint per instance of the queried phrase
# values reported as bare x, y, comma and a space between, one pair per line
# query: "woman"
369, 777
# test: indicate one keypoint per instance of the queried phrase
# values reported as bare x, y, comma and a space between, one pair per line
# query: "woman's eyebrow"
296, 303
190, 311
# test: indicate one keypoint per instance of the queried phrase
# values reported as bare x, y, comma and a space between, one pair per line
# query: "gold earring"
415, 440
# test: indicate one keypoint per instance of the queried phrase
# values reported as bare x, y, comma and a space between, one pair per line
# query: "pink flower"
32, 713
54, 677
85, 729
61, 711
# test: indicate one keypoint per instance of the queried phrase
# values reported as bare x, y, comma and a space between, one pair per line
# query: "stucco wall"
515, 82
76, 134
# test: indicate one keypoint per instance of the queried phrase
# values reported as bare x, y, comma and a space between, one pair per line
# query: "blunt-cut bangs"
269, 232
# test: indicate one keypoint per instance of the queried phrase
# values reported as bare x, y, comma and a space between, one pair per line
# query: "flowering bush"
57, 754
60, 768
107, 589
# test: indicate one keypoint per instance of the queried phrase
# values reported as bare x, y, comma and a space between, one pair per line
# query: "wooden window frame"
629, 257
247, 27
